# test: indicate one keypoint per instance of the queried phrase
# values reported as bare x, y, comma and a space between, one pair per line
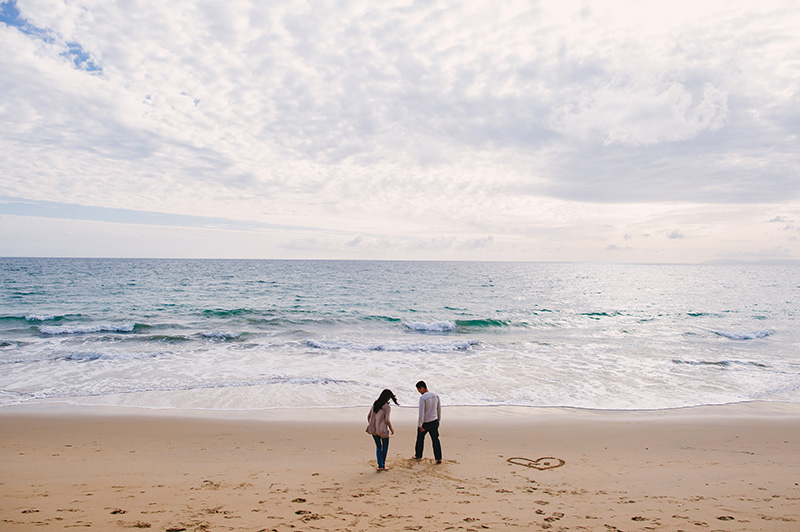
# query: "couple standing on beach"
380, 425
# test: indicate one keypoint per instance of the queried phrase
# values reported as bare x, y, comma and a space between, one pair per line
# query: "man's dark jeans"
432, 428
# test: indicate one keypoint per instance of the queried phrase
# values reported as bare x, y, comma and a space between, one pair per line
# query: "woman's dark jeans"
381, 450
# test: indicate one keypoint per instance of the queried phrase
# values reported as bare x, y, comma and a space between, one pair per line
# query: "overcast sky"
621, 131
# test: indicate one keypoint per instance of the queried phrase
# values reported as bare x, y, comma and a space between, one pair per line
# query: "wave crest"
222, 335
437, 326
393, 347
482, 323
41, 317
90, 356
719, 363
127, 326
743, 336
450, 326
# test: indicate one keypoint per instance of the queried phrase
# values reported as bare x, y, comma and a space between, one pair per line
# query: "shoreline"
453, 412
726, 468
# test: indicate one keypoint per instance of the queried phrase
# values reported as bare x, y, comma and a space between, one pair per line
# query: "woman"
380, 426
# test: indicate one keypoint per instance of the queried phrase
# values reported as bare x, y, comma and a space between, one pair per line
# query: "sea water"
251, 335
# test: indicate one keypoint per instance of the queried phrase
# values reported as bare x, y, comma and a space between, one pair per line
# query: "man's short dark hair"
421, 384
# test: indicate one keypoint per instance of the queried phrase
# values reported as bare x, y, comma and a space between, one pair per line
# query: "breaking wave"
457, 325
393, 347
126, 327
743, 336
88, 356
720, 363
208, 385
222, 335
437, 326
41, 317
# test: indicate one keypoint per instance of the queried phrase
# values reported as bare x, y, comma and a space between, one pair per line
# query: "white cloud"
421, 127
616, 248
619, 113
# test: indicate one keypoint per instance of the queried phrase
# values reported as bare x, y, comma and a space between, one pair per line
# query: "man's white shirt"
430, 408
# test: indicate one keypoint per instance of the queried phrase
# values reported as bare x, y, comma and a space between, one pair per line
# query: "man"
430, 411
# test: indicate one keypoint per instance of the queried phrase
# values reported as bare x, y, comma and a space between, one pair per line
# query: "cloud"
778, 219
399, 120
652, 113
477, 243
355, 241
788, 224
409, 247
616, 248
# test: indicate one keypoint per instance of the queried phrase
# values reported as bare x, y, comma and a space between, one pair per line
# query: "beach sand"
731, 468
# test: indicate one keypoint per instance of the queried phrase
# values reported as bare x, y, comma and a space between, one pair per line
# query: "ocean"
264, 334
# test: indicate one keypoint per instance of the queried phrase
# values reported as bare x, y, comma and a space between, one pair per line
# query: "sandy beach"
728, 468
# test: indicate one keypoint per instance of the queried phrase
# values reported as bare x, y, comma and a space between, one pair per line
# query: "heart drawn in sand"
545, 462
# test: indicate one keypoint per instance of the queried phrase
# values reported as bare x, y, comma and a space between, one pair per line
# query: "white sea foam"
437, 326
85, 329
222, 335
89, 356
173, 385
393, 346
40, 317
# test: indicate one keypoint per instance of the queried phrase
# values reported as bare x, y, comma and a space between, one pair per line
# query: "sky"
607, 131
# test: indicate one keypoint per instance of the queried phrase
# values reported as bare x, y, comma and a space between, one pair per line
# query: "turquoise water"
215, 334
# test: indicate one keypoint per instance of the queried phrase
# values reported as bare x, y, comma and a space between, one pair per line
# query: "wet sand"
729, 468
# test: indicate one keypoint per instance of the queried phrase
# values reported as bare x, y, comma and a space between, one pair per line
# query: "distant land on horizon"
715, 262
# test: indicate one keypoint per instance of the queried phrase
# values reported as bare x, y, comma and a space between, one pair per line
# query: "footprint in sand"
208, 484
137, 524
555, 517
79, 524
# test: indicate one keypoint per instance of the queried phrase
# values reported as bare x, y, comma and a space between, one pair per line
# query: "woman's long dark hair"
383, 399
